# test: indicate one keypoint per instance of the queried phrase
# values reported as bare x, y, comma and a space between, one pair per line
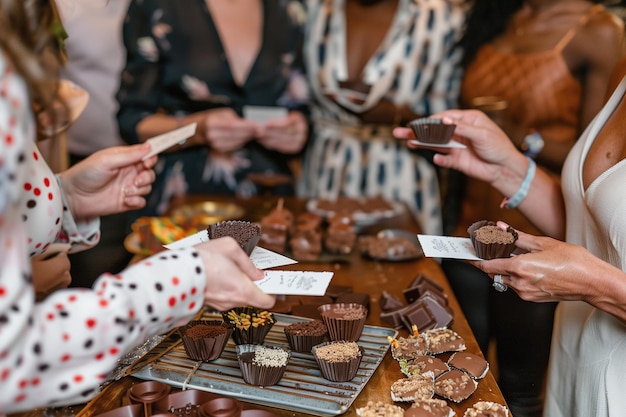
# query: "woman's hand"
552, 270
109, 181
286, 135
224, 131
51, 270
488, 152
230, 273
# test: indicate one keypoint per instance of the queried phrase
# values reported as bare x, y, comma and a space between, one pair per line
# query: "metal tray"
302, 387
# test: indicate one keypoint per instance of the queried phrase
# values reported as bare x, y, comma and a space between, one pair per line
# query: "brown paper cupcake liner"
247, 234
255, 374
344, 328
303, 344
491, 250
338, 371
431, 130
207, 348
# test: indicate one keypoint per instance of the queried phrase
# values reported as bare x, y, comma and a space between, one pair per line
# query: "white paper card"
260, 257
447, 247
191, 240
452, 144
295, 282
262, 114
264, 259
161, 142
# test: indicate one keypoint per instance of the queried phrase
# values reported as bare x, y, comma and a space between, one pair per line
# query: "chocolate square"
420, 315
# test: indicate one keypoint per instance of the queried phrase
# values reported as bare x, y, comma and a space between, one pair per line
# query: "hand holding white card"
162, 142
260, 257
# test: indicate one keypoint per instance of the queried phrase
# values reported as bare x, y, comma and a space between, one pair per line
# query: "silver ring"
498, 284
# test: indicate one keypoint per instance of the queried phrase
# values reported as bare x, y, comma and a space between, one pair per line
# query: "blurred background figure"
94, 59
373, 65
538, 65
205, 62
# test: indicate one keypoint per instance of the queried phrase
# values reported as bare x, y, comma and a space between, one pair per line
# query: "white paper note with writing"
264, 259
161, 142
260, 257
447, 247
295, 282
262, 114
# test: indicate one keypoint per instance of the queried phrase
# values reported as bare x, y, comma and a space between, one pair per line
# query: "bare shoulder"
605, 29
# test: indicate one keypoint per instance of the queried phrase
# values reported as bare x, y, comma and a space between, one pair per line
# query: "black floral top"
176, 64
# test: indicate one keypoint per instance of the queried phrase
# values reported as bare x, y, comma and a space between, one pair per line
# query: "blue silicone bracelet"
521, 193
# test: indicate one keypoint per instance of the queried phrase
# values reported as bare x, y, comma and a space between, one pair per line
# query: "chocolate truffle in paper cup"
303, 335
262, 365
345, 321
338, 361
490, 241
431, 130
204, 340
246, 234
250, 325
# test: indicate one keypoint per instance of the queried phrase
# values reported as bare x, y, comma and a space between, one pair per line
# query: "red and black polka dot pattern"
59, 351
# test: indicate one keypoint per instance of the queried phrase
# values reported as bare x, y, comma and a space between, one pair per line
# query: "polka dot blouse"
58, 352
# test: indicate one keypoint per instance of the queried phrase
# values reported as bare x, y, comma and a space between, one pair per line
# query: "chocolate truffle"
455, 385
306, 240
432, 130
275, 229
344, 321
262, 365
250, 325
338, 361
302, 336
380, 409
486, 409
423, 365
429, 408
491, 241
474, 365
415, 387
408, 348
443, 340
204, 340
246, 234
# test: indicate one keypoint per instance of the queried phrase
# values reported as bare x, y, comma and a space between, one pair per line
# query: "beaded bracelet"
522, 191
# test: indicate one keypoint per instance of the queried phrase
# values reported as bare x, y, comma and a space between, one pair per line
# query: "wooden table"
364, 276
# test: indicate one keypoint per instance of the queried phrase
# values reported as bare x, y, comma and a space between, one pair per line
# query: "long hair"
27, 40
487, 20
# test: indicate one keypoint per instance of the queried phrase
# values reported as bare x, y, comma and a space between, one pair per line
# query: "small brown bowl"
221, 407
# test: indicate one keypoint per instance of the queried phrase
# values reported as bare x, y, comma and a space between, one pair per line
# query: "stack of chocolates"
427, 306
340, 234
306, 239
276, 227
305, 235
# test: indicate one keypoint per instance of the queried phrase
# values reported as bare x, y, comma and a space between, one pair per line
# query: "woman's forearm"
543, 205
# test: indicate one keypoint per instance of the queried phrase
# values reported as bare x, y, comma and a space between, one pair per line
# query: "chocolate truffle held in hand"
491, 241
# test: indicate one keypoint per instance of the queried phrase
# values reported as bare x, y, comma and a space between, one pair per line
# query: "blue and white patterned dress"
416, 66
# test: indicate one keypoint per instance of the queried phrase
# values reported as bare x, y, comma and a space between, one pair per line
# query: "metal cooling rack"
302, 387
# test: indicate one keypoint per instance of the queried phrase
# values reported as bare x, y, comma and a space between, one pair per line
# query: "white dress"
587, 375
